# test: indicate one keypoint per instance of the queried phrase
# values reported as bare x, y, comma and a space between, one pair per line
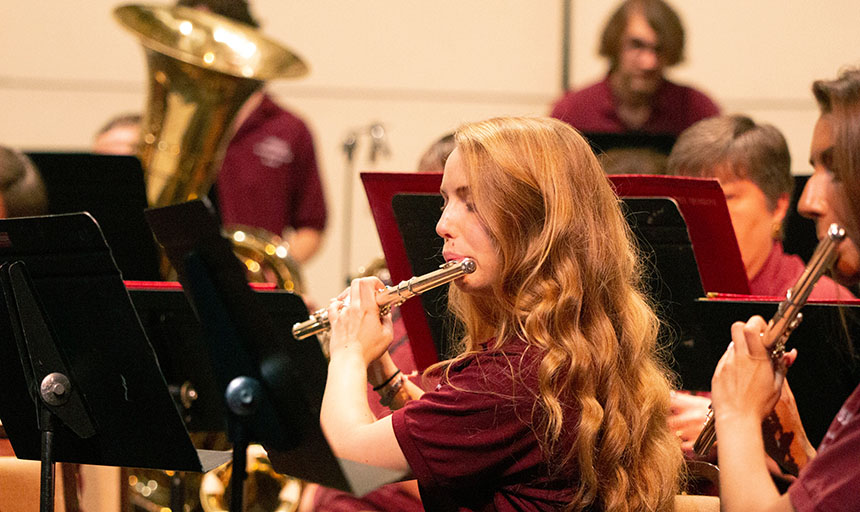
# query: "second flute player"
556, 399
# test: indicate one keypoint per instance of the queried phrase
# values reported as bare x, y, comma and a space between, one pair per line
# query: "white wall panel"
420, 68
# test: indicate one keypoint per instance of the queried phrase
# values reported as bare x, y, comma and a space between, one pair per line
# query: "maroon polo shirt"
780, 271
470, 442
269, 178
592, 109
831, 481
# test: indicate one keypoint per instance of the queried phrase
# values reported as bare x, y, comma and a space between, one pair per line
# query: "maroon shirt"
780, 271
831, 481
388, 498
269, 177
470, 442
592, 109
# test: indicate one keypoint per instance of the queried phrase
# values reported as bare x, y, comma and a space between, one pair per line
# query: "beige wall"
420, 68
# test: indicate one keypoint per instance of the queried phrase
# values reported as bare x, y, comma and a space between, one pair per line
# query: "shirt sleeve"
831, 481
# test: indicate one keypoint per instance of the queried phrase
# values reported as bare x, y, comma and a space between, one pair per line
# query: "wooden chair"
20, 486
696, 503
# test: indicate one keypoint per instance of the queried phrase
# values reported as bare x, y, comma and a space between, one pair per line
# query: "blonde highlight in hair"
570, 285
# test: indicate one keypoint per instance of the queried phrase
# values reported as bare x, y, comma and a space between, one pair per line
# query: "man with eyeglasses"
641, 39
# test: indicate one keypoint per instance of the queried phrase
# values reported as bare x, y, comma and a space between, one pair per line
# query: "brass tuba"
202, 68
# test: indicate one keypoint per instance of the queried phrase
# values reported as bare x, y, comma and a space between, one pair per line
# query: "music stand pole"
46, 485
349, 145
53, 390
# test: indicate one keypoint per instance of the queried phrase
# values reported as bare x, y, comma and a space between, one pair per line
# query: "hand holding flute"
356, 322
388, 297
374, 300
749, 377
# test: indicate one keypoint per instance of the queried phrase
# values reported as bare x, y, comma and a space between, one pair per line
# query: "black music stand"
601, 142
822, 377
271, 383
671, 273
110, 188
79, 381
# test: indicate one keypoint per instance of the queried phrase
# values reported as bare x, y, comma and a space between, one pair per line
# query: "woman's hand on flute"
356, 324
745, 387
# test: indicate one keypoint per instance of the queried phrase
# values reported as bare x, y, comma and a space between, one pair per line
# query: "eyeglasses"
638, 45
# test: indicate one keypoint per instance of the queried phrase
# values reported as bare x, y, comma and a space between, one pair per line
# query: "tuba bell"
202, 67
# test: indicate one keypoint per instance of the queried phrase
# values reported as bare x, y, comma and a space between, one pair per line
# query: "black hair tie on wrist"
387, 381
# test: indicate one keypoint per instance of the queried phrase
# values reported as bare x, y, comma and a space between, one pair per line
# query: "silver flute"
786, 319
392, 296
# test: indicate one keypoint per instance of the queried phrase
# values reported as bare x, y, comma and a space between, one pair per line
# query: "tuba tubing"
392, 296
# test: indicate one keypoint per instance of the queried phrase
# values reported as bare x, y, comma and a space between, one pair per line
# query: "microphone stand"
349, 145
378, 147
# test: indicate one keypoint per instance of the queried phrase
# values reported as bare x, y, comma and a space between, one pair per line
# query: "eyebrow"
821, 155
459, 191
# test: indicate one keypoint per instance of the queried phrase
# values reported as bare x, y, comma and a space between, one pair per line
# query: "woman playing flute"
556, 399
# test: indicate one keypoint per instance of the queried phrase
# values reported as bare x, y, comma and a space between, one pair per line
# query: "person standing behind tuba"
269, 177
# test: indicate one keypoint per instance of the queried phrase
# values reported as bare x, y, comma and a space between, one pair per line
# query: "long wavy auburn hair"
570, 285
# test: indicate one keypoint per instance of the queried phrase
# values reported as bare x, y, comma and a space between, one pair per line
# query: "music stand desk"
821, 378
110, 188
703, 206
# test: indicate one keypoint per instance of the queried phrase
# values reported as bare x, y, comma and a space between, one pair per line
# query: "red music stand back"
700, 200
703, 206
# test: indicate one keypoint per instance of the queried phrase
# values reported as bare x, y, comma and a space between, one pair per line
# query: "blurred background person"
632, 161
269, 177
434, 158
633, 115
752, 163
21, 187
119, 136
641, 39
